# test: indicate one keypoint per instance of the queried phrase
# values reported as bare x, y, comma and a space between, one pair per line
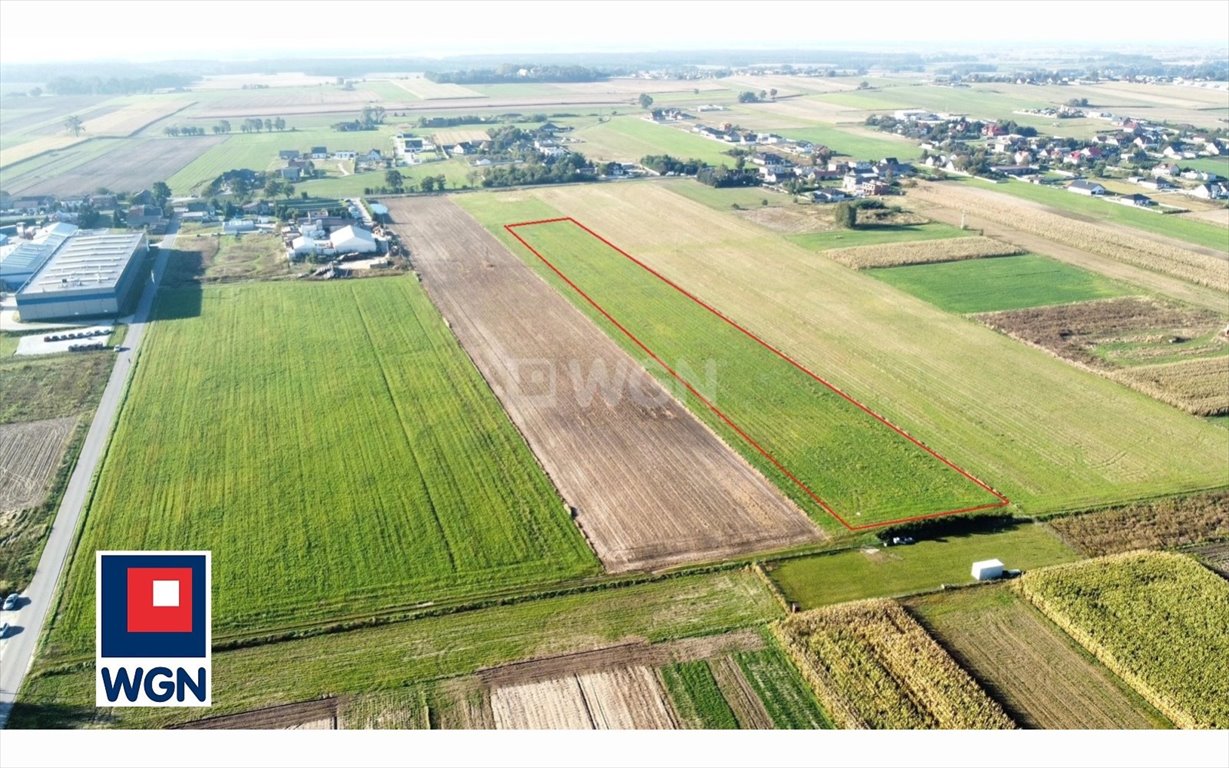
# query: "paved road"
17, 650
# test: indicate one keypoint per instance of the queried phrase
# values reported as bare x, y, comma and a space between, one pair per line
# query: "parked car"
10, 602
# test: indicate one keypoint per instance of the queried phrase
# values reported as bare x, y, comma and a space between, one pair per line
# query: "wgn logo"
153, 635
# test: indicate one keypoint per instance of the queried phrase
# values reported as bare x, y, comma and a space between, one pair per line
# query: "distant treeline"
508, 117
518, 73
76, 86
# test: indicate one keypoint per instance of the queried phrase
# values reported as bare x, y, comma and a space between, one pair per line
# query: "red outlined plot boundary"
1002, 500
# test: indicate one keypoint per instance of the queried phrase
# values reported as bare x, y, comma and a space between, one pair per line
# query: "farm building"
90, 274
345, 240
985, 570
20, 260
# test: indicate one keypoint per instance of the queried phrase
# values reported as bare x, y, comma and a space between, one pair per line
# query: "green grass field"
1009, 282
258, 152
855, 145
334, 448
789, 702
857, 574
877, 235
398, 654
1191, 230
1217, 165
696, 697
630, 138
865, 471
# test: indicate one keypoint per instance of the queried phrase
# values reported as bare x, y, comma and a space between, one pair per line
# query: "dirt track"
651, 486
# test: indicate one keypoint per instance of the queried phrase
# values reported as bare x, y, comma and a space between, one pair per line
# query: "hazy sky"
141, 31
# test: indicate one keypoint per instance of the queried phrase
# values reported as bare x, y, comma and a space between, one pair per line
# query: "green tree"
427, 184
773, 93
440, 181
73, 124
279, 124
161, 192
646, 101
845, 215
394, 180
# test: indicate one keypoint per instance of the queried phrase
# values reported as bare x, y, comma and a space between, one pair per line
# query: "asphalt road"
17, 649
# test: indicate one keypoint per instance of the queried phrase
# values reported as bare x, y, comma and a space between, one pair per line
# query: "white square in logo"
166, 594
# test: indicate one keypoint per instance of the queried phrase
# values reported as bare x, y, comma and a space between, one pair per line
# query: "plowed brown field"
650, 485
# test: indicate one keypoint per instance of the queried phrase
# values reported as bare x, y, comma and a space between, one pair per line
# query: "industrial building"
20, 258
88, 275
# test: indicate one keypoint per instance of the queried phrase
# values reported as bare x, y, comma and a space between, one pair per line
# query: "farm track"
651, 486
622, 655
318, 714
1031, 667
740, 696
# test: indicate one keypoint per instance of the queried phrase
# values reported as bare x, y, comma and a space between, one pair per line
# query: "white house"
985, 570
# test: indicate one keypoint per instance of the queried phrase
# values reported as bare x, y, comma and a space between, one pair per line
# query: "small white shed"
985, 570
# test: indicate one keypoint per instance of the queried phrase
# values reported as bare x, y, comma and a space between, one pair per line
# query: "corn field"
1157, 619
873, 666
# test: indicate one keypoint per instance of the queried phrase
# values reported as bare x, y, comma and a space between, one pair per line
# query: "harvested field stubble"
924, 252
1117, 337
1113, 242
1200, 387
1155, 524
1157, 619
29, 451
873, 666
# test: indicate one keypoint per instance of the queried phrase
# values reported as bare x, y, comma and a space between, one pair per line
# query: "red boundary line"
1002, 500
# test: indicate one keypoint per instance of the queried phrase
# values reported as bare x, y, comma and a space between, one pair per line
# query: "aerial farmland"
874, 392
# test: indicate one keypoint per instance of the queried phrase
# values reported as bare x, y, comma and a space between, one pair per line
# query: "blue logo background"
118, 642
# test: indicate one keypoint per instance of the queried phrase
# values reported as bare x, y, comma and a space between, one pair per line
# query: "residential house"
288, 154
1166, 169
1213, 190
1085, 187
144, 216
320, 153
1157, 184
1136, 199
291, 173
345, 154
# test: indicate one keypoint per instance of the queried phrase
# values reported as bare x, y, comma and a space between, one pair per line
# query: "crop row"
923, 252
874, 666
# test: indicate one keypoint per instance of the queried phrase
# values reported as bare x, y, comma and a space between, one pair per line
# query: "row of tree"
395, 182
80, 86
368, 120
185, 130
713, 176
567, 169
751, 97
256, 125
